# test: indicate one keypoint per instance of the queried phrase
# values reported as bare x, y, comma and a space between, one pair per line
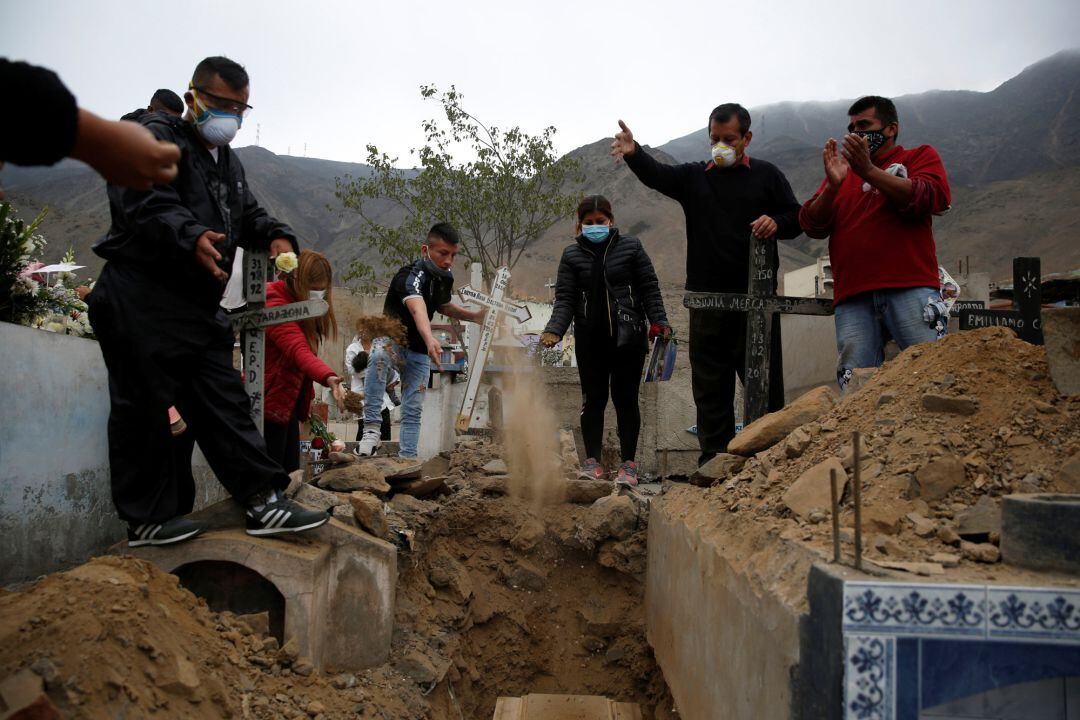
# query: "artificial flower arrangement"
29, 297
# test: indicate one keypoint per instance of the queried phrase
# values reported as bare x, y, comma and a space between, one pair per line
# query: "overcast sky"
338, 75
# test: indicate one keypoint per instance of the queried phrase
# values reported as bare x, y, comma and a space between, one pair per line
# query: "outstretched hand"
549, 339
624, 145
338, 391
125, 153
207, 255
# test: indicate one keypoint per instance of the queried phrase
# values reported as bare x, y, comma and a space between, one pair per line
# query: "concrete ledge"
338, 582
725, 611
56, 505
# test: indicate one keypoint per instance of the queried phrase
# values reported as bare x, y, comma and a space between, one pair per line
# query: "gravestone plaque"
1025, 317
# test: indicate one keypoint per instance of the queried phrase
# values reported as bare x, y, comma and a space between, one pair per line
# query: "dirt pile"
947, 428
117, 637
497, 595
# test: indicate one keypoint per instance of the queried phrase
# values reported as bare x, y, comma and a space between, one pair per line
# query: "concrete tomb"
331, 589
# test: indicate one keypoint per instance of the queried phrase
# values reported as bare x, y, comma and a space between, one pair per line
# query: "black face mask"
434, 269
875, 138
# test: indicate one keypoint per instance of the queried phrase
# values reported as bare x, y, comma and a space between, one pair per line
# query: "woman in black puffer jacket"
605, 281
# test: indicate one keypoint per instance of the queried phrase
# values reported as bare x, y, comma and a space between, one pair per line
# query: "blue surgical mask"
595, 233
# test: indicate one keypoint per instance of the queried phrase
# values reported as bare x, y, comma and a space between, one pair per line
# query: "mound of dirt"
497, 596
946, 429
116, 637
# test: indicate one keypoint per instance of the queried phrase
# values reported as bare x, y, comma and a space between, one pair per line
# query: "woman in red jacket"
291, 360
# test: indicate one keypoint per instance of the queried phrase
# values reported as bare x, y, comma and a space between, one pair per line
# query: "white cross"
497, 308
251, 324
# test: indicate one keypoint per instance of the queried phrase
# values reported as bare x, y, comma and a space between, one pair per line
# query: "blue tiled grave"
930, 652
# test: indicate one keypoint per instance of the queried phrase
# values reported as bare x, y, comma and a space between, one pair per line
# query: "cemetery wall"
55, 506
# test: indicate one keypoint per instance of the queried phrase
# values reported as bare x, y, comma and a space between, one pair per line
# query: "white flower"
53, 326
286, 262
24, 286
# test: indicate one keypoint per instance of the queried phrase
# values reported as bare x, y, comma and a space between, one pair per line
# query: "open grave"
514, 582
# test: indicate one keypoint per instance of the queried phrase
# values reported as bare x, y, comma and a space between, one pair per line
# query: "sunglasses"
222, 103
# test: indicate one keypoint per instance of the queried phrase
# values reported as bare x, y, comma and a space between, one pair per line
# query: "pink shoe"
591, 470
627, 474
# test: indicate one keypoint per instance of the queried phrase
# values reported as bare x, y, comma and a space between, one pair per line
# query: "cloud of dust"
531, 435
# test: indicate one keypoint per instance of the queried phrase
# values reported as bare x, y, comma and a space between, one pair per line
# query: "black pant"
717, 353
283, 443
384, 426
601, 366
160, 352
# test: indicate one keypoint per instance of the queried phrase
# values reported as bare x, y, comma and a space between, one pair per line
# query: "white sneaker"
368, 444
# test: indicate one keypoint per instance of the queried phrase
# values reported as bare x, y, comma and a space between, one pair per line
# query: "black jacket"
154, 231
719, 205
631, 282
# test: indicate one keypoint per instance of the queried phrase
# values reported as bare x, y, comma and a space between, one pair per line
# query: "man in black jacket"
162, 101
166, 341
724, 200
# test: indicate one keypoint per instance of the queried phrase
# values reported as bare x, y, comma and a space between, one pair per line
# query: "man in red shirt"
876, 206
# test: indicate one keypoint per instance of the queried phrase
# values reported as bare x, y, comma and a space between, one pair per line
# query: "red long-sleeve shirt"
291, 365
875, 244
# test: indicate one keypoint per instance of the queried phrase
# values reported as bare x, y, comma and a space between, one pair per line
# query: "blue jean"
865, 323
414, 380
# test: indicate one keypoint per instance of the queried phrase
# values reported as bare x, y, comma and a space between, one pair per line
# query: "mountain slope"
1028, 124
1013, 156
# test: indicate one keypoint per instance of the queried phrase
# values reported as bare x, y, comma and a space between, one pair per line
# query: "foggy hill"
1028, 124
1012, 154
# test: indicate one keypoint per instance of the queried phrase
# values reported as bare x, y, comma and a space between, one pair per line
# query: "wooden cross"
251, 324
1026, 314
759, 304
497, 308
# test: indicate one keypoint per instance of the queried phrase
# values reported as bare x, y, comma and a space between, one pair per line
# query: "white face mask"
723, 155
317, 294
216, 127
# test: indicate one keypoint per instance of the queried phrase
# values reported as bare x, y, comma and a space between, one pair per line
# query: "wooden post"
252, 323
760, 305
253, 338
857, 453
835, 516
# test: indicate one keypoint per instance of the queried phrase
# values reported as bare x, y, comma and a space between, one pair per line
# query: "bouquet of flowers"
26, 297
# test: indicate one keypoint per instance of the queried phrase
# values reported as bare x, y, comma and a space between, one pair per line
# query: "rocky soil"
946, 429
498, 595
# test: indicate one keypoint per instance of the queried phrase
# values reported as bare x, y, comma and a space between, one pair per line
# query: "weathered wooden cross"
497, 308
759, 304
251, 324
1026, 316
